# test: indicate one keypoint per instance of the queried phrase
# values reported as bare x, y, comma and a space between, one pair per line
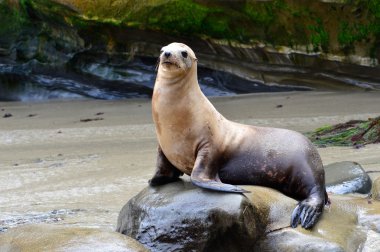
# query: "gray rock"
347, 177
181, 217
47, 237
57, 45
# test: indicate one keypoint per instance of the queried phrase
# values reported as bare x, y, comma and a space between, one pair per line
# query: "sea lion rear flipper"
165, 171
204, 176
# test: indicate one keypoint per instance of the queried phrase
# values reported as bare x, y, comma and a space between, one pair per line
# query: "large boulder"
181, 217
45, 237
347, 177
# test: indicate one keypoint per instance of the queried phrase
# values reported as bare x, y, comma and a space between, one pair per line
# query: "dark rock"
181, 217
6, 115
4, 52
347, 177
44, 237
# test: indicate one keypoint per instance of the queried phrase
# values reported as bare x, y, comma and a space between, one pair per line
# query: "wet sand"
78, 162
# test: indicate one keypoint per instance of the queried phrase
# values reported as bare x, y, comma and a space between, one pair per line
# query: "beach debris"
356, 133
92, 119
7, 115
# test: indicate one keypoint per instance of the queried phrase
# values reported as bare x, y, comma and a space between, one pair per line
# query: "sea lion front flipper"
204, 176
165, 171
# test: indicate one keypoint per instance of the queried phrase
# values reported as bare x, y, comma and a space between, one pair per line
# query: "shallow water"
81, 176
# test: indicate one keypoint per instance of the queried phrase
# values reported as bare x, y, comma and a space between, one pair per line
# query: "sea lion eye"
184, 54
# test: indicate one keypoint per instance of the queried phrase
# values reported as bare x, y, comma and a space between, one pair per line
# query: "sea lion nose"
167, 54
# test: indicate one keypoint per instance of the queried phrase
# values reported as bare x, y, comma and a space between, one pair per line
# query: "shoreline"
324, 106
56, 160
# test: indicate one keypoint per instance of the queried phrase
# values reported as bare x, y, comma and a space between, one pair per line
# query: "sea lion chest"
177, 129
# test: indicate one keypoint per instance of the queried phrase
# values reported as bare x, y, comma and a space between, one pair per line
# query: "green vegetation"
319, 37
352, 133
181, 16
263, 15
12, 20
348, 34
374, 7
364, 27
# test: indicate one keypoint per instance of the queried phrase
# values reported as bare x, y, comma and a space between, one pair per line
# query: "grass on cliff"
12, 20
352, 133
316, 25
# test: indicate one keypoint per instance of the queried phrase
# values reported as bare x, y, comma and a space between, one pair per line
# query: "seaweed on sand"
352, 133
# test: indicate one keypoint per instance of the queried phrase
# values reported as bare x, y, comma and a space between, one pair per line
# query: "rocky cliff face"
317, 45
339, 28
336, 30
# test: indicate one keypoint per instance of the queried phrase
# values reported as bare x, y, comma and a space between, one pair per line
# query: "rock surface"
170, 218
181, 217
294, 241
348, 224
44, 237
347, 177
376, 189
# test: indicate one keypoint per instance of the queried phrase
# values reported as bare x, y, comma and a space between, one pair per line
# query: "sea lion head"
176, 58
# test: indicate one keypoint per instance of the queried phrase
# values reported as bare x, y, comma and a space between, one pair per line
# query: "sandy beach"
78, 162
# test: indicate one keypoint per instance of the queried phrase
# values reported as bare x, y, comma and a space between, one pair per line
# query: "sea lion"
195, 139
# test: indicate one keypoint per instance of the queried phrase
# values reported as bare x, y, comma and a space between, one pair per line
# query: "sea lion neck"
178, 83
